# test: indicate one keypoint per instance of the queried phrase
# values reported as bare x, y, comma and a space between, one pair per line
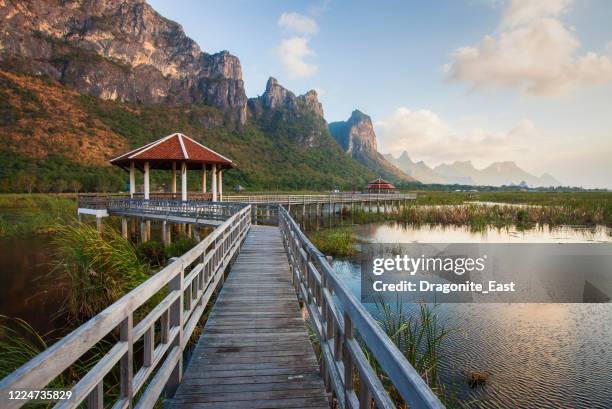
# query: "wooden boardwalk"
255, 351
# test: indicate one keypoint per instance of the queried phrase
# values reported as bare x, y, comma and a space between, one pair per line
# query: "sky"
483, 80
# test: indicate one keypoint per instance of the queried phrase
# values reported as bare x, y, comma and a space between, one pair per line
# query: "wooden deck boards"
254, 352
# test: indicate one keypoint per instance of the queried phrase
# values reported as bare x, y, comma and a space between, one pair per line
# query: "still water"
25, 281
536, 355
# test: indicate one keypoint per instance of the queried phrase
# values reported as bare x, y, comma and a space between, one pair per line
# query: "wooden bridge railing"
194, 209
340, 197
188, 282
338, 318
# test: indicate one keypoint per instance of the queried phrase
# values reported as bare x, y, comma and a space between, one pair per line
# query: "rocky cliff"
277, 105
118, 50
356, 136
277, 97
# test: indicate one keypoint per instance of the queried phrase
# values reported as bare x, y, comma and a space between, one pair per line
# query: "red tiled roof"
175, 147
380, 184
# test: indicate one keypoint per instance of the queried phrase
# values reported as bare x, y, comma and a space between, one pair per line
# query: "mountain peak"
357, 138
276, 97
405, 157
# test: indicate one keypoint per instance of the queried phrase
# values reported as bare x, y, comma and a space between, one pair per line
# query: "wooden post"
124, 228
164, 232
176, 320
132, 179
99, 225
126, 366
143, 231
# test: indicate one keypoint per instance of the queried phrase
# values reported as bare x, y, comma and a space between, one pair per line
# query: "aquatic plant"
339, 242
93, 269
418, 335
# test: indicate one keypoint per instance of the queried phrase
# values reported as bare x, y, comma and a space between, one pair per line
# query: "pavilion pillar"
204, 178
132, 179
214, 183
146, 180
173, 184
184, 181
220, 187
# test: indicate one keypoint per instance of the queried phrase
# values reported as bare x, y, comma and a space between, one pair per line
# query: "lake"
536, 355
24, 264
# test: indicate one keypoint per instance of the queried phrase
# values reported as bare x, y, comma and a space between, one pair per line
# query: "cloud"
297, 23
426, 136
293, 53
534, 52
524, 11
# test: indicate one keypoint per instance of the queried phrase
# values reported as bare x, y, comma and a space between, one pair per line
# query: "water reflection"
537, 355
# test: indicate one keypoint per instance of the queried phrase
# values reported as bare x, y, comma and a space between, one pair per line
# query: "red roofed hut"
172, 152
380, 186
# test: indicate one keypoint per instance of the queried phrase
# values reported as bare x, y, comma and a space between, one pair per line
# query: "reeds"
338, 242
93, 269
418, 335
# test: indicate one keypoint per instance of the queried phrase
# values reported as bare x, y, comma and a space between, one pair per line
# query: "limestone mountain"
496, 174
418, 170
277, 97
356, 136
464, 173
82, 81
120, 50
277, 105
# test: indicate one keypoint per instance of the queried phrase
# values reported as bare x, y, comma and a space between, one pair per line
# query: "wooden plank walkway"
254, 352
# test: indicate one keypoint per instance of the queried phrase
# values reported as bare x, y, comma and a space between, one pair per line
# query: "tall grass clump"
419, 336
339, 242
95, 269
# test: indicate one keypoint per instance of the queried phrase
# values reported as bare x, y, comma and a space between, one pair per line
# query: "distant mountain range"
464, 173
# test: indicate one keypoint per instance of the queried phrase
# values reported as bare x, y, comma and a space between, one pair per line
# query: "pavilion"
380, 186
172, 152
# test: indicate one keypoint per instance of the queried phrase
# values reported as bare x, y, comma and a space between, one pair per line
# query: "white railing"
339, 318
189, 281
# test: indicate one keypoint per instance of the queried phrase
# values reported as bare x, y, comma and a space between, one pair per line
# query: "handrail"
327, 198
190, 281
104, 201
197, 209
338, 316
